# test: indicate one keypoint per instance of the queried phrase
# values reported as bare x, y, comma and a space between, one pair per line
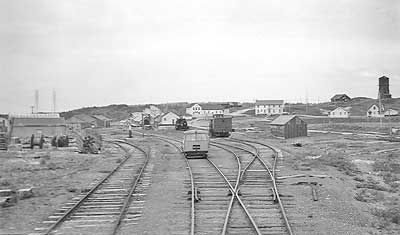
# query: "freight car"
220, 126
195, 144
181, 124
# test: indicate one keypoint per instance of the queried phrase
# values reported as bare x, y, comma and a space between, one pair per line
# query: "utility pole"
380, 109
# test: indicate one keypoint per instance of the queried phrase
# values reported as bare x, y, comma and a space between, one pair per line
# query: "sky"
100, 52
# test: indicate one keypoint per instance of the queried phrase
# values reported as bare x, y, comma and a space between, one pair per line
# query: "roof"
85, 118
196, 131
39, 122
265, 102
344, 108
170, 113
101, 117
282, 120
211, 107
338, 96
74, 120
5, 116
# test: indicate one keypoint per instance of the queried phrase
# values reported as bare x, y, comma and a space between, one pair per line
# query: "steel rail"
234, 192
133, 187
272, 174
71, 210
191, 181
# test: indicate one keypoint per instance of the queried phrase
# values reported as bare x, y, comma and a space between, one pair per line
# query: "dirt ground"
55, 175
360, 194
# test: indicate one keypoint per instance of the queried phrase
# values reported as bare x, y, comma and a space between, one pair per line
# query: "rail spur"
109, 204
216, 206
258, 187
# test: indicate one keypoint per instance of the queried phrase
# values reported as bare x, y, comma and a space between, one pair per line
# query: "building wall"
373, 111
294, 128
269, 109
195, 110
169, 119
339, 113
26, 131
391, 112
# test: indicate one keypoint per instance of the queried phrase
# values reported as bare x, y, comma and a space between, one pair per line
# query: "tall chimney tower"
384, 88
36, 101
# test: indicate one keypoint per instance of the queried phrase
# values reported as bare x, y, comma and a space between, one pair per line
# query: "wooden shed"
102, 121
288, 126
88, 121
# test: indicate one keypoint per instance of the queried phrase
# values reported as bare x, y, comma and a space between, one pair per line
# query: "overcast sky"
95, 52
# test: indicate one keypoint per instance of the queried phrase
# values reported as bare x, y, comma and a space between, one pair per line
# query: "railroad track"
236, 195
258, 188
115, 201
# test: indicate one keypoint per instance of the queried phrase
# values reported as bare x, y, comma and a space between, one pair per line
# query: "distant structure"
269, 107
385, 110
288, 126
54, 101
24, 126
36, 101
384, 88
340, 112
169, 119
340, 98
206, 110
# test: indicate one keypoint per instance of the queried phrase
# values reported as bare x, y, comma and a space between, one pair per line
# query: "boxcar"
195, 143
220, 126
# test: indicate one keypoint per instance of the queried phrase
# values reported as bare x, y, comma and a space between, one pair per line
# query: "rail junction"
233, 191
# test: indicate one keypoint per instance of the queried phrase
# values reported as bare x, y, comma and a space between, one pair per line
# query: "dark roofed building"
212, 107
102, 121
25, 127
288, 126
77, 124
88, 120
338, 98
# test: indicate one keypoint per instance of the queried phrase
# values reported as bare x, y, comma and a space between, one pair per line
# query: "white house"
269, 107
374, 111
340, 112
205, 110
169, 118
194, 110
391, 112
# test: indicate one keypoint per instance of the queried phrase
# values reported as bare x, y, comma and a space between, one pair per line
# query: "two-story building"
269, 107
206, 110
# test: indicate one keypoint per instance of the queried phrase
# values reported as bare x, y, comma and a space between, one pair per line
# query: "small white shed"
169, 119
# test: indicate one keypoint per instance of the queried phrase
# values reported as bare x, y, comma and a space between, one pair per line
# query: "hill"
123, 111
359, 106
